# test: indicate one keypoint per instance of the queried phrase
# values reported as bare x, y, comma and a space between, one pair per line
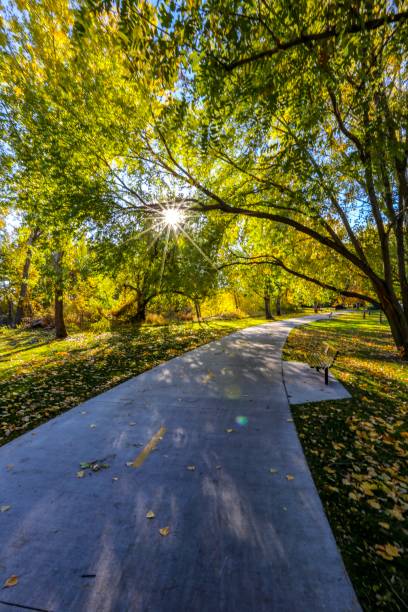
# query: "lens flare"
173, 217
241, 420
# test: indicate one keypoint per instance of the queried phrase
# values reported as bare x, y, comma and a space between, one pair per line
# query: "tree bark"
24, 277
268, 313
197, 309
396, 317
140, 316
60, 329
10, 311
278, 306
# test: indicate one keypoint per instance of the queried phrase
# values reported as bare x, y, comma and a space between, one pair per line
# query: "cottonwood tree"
296, 113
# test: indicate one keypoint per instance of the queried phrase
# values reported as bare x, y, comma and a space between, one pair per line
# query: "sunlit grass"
41, 377
358, 453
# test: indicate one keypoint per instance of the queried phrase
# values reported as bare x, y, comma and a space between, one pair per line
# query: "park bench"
322, 359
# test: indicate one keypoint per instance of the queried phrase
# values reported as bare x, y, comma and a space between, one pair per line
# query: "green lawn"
358, 453
41, 377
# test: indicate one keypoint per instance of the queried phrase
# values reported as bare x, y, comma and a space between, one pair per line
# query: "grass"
358, 453
41, 377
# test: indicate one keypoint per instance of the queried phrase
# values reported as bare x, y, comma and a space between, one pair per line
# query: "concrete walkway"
241, 537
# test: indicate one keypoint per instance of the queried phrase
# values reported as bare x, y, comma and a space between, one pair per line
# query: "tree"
303, 129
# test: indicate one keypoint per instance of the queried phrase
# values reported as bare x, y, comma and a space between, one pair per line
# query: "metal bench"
322, 359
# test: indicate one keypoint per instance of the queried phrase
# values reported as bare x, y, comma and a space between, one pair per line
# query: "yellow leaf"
229, 430
164, 531
191, 468
10, 582
80, 474
385, 525
290, 477
150, 515
396, 513
374, 504
387, 551
367, 488
273, 470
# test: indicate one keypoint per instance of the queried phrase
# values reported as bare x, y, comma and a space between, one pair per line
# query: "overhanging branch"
274, 261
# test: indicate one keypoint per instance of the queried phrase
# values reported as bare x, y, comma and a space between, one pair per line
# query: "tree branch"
333, 32
277, 262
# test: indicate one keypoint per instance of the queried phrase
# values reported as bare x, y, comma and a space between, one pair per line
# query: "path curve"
241, 538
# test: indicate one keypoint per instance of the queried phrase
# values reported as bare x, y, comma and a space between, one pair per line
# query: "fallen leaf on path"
4, 508
273, 470
132, 424
80, 474
217, 467
150, 515
129, 463
191, 468
92, 425
290, 477
164, 531
115, 478
289, 420
230, 430
10, 582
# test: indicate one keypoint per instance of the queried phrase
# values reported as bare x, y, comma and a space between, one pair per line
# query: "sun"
173, 217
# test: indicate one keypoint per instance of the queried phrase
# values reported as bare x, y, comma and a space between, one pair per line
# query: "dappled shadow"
241, 537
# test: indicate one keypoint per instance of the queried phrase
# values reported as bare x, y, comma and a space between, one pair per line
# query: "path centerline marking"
150, 446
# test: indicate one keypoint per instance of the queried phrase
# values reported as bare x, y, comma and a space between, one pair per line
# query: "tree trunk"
236, 300
60, 329
397, 319
278, 306
197, 309
140, 316
268, 313
24, 278
10, 311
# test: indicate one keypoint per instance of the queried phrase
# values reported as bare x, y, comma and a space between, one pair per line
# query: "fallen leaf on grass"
396, 513
290, 477
387, 551
385, 525
191, 468
367, 488
374, 504
164, 531
150, 515
10, 582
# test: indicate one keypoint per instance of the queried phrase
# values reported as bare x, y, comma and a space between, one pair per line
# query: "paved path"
241, 538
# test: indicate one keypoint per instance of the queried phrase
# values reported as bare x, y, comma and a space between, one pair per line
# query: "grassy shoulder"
357, 451
41, 377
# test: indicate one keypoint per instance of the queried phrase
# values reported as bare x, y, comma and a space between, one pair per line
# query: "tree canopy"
280, 129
